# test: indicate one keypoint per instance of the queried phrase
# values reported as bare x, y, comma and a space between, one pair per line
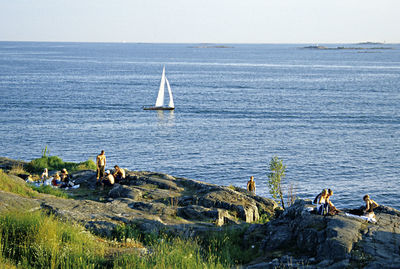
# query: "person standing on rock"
251, 185
101, 165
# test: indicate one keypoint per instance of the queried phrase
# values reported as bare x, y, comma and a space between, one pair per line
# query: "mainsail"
160, 97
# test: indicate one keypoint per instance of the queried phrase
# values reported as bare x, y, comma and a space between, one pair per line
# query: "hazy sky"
201, 21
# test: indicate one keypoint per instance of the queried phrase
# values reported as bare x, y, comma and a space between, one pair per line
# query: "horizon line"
219, 43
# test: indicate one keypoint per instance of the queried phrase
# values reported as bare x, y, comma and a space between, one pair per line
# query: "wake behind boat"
160, 97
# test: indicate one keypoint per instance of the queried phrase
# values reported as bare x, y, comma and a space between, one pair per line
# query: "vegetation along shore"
155, 220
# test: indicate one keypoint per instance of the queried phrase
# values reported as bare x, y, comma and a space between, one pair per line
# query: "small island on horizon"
355, 47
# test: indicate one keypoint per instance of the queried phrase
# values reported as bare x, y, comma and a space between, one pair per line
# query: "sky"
201, 21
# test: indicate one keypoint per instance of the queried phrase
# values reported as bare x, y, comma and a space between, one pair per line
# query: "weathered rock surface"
153, 201
156, 202
329, 242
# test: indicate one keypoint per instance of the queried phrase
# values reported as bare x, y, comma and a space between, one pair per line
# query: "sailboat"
160, 97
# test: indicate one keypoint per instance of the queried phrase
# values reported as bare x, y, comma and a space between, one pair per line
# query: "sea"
331, 115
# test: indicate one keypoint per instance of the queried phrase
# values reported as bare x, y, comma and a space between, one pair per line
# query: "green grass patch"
35, 240
171, 253
50, 190
219, 249
16, 186
227, 246
56, 163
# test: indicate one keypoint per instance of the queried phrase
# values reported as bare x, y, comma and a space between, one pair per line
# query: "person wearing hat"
108, 179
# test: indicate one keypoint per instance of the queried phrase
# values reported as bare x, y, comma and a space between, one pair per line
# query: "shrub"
56, 163
275, 179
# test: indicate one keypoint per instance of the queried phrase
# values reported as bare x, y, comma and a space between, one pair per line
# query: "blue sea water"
333, 116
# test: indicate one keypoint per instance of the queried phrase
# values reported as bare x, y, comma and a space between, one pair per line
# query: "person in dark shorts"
251, 185
101, 165
108, 179
119, 173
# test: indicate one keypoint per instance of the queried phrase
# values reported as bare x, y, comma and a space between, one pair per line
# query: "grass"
17, 169
50, 190
10, 184
36, 240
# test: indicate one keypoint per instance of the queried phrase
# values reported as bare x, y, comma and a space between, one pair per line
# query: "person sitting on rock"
251, 185
321, 202
56, 181
64, 176
45, 174
119, 173
108, 179
332, 210
370, 205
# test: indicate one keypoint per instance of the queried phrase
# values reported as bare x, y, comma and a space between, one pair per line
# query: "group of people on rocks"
324, 205
60, 179
105, 177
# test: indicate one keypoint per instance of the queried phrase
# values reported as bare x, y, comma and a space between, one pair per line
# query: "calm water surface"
333, 116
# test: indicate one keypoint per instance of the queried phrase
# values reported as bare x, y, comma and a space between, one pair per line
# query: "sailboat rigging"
160, 97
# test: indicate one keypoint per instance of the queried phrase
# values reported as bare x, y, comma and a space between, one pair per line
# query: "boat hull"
158, 108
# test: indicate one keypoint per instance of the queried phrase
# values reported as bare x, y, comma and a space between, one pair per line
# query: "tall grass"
17, 169
9, 184
37, 241
170, 252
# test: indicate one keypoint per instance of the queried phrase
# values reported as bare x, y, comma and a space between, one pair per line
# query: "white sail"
171, 100
160, 96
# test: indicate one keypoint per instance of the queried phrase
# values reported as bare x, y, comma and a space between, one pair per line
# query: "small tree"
275, 178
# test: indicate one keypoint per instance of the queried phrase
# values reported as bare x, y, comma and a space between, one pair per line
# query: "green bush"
56, 163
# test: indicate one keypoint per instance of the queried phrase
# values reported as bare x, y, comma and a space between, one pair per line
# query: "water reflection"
166, 117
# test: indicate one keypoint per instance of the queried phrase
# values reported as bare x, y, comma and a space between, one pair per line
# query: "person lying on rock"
108, 179
370, 205
119, 173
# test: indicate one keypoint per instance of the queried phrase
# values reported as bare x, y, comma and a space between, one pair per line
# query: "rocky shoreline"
156, 202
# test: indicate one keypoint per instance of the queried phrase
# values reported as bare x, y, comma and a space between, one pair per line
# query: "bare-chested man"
101, 165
